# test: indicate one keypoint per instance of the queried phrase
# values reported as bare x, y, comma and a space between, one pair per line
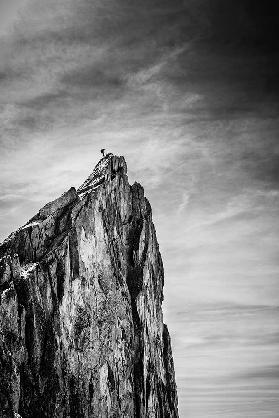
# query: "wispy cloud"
229, 357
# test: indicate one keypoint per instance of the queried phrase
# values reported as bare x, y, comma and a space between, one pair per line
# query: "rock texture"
81, 326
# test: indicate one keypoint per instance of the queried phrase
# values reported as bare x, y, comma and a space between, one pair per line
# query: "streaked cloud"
229, 357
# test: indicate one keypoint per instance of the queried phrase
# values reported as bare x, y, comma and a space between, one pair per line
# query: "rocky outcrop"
81, 326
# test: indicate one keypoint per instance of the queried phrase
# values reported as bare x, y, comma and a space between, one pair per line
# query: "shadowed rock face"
81, 326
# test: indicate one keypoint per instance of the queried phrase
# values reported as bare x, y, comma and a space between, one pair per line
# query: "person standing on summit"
103, 151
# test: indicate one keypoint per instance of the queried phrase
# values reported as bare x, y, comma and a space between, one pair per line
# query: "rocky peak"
81, 325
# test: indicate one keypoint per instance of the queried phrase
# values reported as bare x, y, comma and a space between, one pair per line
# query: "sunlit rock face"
81, 326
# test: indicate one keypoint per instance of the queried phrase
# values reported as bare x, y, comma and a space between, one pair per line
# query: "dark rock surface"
81, 326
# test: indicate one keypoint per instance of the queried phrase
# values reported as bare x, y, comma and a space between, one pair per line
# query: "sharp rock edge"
81, 326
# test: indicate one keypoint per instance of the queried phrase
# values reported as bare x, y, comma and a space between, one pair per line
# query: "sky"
188, 92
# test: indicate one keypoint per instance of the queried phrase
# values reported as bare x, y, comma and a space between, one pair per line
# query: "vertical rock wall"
81, 326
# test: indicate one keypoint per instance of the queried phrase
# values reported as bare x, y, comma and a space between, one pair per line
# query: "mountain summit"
81, 324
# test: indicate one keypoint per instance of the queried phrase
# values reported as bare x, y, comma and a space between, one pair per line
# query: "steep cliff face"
81, 326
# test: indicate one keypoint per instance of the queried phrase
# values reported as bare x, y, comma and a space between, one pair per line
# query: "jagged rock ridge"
81, 326
98, 175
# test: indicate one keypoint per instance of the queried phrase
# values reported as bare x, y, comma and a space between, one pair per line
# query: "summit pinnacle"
81, 324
